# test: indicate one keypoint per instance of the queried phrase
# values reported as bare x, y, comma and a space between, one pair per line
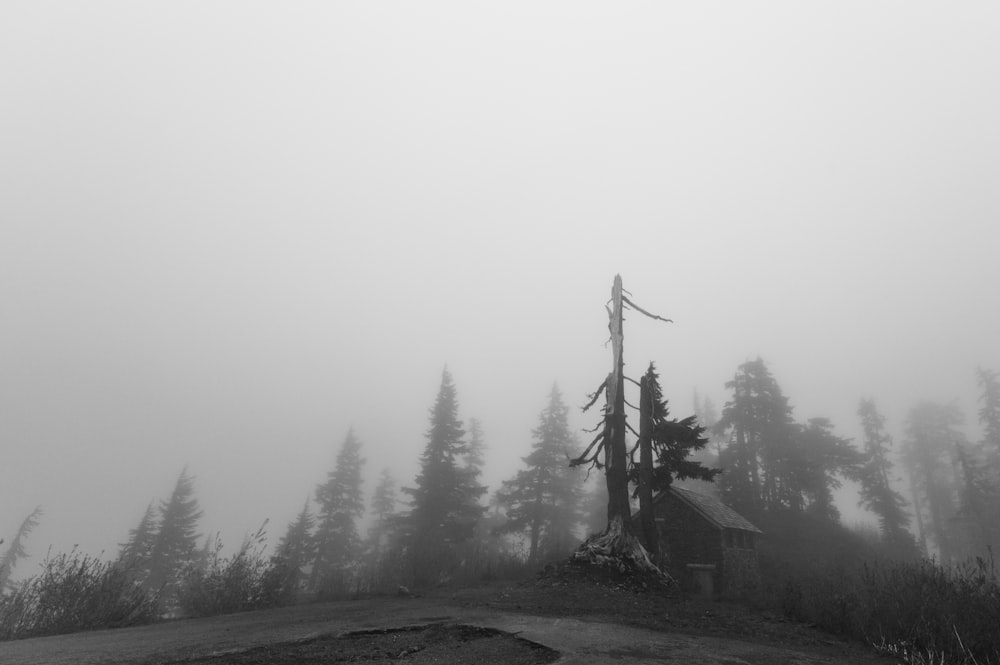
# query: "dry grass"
921, 612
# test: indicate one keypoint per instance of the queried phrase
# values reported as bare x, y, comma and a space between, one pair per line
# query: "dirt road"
577, 640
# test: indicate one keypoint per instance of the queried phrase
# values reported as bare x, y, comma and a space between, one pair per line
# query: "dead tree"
617, 544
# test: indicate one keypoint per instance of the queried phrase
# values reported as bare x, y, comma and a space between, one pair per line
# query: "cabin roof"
712, 509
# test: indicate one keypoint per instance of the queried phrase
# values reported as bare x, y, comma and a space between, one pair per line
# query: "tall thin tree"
176, 541
542, 500
341, 503
877, 493
444, 502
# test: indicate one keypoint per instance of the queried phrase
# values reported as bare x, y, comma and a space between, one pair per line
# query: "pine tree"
664, 446
759, 421
15, 550
383, 545
981, 472
472, 470
297, 548
877, 494
813, 466
176, 540
475, 452
442, 503
977, 517
383, 509
341, 504
543, 499
135, 553
707, 417
929, 452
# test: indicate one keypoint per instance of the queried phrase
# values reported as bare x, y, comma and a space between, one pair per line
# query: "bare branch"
582, 458
597, 393
641, 310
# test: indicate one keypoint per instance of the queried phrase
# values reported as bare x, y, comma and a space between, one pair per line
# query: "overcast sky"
231, 230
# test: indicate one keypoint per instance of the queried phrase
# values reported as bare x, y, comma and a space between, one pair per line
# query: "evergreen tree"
759, 422
813, 466
383, 545
297, 548
176, 540
383, 508
472, 469
15, 550
341, 504
978, 514
664, 447
877, 494
930, 454
707, 416
137, 550
475, 452
444, 504
543, 499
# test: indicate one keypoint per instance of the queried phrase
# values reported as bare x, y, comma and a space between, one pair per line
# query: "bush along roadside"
920, 612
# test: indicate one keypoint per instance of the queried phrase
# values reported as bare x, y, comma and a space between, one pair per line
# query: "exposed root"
620, 551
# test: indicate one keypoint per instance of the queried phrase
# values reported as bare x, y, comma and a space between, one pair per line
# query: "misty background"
231, 231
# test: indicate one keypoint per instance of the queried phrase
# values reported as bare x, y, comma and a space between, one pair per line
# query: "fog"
231, 231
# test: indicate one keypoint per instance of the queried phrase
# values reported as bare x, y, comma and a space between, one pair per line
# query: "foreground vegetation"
920, 612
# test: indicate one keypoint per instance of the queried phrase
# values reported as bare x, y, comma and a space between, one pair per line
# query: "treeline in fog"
443, 526
934, 493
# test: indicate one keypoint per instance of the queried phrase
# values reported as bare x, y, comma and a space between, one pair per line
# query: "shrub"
925, 608
920, 611
244, 581
75, 592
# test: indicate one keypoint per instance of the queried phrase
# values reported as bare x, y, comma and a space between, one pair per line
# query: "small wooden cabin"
707, 546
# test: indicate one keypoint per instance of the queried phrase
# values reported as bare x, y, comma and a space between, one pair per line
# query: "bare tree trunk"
617, 469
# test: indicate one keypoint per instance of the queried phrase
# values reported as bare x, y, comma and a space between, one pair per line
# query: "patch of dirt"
437, 643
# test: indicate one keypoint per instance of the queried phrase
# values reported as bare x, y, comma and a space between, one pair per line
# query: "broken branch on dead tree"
642, 311
585, 456
596, 394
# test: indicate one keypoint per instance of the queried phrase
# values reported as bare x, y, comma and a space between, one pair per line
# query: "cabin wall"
741, 572
686, 537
